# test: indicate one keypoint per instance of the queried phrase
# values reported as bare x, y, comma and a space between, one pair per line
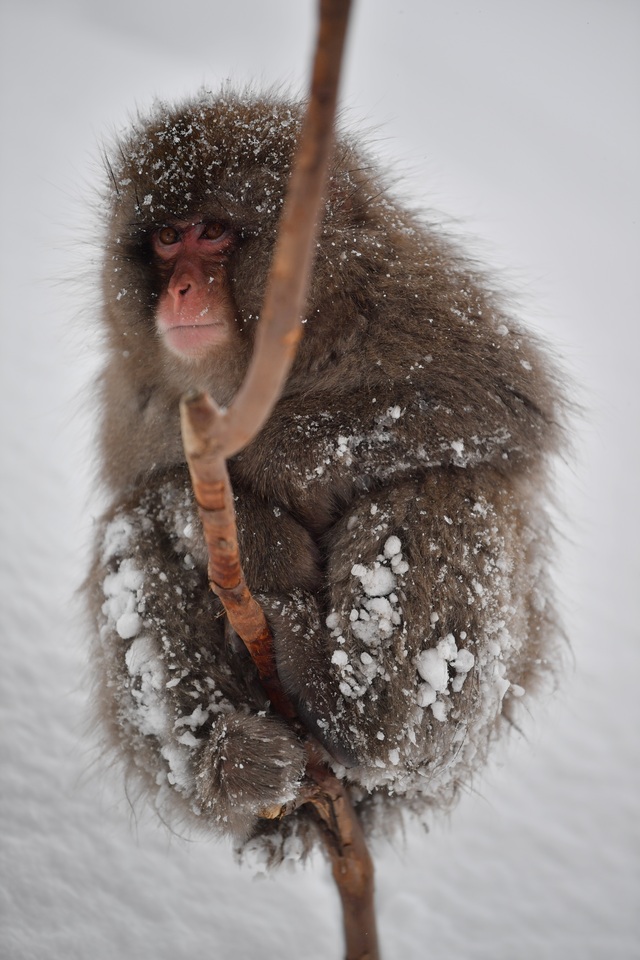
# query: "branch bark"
280, 328
340, 828
200, 418
210, 436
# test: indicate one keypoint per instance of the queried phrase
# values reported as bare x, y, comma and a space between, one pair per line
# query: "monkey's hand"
249, 765
278, 554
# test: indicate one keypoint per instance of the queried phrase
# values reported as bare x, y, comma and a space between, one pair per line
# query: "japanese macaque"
392, 513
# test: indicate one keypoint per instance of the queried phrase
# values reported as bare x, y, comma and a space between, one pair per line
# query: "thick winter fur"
391, 514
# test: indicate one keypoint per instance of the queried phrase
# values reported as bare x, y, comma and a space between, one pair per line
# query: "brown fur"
417, 423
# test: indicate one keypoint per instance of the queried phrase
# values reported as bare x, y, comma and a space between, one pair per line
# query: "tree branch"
200, 418
280, 329
210, 436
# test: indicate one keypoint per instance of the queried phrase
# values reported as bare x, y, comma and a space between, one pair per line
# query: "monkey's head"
195, 197
195, 194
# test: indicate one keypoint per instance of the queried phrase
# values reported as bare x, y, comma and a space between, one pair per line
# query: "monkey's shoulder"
388, 432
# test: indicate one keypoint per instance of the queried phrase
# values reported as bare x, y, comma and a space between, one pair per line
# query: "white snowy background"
521, 121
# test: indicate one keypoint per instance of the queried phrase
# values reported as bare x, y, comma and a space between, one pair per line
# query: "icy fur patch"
373, 619
145, 666
434, 667
146, 708
123, 599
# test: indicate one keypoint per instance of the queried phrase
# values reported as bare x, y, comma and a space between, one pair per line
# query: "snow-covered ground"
522, 121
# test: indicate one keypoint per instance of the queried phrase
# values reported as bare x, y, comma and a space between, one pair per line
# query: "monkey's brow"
224, 207
142, 228
138, 229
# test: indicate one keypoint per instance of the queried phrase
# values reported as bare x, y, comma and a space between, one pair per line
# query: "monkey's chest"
314, 498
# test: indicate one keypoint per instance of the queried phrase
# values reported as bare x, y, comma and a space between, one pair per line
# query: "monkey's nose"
179, 287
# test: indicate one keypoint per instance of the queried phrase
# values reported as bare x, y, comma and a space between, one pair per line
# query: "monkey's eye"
168, 236
213, 231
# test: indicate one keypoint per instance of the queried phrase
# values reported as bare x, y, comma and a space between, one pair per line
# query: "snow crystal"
440, 710
179, 759
116, 538
376, 581
464, 661
194, 720
380, 606
447, 647
500, 681
433, 668
122, 591
128, 625
141, 656
426, 695
187, 739
392, 547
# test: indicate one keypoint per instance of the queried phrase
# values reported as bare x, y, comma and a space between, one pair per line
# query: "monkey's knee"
249, 764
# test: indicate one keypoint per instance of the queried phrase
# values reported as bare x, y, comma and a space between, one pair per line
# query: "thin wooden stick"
212, 490
210, 436
351, 863
280, 328
340, 828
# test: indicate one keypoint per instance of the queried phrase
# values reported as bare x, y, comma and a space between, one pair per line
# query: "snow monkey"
392, 514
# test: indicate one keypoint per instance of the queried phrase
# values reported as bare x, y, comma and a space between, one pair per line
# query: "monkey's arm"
182, 702
318, 451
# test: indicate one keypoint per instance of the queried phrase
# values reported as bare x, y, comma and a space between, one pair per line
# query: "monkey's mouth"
193, 339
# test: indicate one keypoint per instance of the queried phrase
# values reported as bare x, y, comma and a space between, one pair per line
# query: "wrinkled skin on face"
196, 312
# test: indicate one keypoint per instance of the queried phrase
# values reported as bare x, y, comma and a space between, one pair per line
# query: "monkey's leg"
431, 616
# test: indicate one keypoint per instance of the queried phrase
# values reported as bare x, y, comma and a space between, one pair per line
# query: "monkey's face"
192, 208
196, 313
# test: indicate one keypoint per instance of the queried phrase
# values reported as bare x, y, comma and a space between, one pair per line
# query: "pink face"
195, 312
